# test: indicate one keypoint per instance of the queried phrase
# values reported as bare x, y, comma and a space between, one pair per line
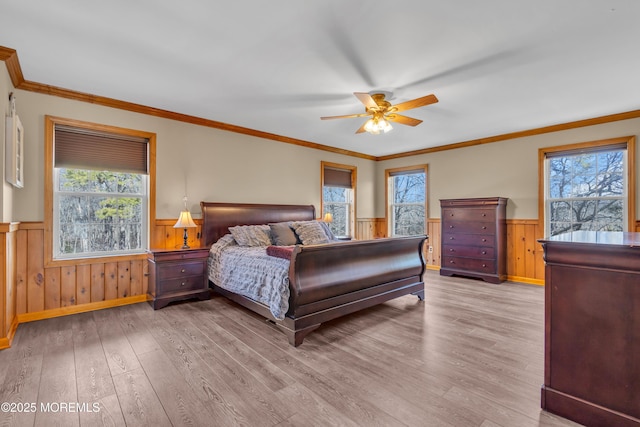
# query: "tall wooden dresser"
474, 238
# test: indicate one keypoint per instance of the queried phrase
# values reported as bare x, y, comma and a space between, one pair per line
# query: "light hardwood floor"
470, 355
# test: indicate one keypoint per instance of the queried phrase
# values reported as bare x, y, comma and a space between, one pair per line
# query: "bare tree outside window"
586, 191
407, 203
98, 212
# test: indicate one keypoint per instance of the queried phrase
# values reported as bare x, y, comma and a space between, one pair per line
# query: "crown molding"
10, 58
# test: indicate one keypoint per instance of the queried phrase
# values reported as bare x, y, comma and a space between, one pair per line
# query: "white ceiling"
497, 66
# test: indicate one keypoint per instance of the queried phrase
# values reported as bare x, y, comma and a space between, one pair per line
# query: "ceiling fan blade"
403, 120
361, 129
366, 99
348, 116
415, 103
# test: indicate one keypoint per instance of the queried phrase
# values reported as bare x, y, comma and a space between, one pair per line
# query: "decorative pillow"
327, 231
283, 252
310, 232
282, 234
251, 235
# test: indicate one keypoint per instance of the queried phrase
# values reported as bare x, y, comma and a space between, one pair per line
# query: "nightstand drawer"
188, 283
177, 270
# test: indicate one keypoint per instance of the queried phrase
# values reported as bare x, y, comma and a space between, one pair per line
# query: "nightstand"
177, 274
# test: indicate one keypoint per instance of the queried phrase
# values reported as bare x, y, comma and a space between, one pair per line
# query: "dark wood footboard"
329, 281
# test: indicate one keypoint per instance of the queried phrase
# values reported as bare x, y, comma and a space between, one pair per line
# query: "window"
406, 200
338, 195
587, 187
98, 187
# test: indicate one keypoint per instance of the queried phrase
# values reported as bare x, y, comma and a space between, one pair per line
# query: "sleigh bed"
325, 281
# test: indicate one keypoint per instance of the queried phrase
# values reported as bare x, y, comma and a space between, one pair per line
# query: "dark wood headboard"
218, 217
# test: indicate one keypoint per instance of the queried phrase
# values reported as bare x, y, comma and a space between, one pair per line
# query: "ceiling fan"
382, 112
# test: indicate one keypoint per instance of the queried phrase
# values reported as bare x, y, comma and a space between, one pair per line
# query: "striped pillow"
251, 235
310, 232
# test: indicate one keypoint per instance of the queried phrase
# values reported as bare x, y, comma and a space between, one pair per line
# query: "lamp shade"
328, 217
185, 221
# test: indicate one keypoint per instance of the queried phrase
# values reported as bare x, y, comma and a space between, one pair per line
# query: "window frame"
388, 173
49, 178
354, 179
627, 142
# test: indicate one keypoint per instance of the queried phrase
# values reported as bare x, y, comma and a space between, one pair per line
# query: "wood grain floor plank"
209, 378
471, 354
58, 377
218, 354
93, 375
138, 400
108, 415
178, 399
286, 358
118, 351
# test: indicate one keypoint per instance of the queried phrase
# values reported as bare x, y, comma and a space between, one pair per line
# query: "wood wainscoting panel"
432, 250
8, 319
58, 289
370, 228
525, 261
167, 237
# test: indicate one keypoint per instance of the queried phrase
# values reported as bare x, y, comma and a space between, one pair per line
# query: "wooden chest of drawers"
474, 238
176, 275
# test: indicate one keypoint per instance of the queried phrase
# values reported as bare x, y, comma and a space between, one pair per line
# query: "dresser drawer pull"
183, 283
484, 265
484, 227
452, 250
484, 252
182, 271
484, 240
451, 226
484, 214
452, 262
451, 238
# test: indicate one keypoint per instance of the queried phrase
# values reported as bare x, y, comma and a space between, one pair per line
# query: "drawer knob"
484, 252
484, 265
484, 214
484, 227
484, 240
451, 250
182, 271
183, 283
452, 262
451, 238
451, 226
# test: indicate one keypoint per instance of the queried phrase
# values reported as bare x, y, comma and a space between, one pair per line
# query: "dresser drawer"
472, 227
188, 283
473, 264
177, 270
473, 214
468, 239
485, 252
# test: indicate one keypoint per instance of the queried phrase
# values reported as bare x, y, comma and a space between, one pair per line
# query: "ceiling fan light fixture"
377, 125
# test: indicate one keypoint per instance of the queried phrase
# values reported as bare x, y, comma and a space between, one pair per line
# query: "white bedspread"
250, 272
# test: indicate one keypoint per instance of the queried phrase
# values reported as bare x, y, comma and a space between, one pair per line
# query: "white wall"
208, 164
505, 169
6, 189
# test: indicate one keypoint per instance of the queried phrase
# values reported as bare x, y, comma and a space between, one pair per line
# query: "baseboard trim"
519, 279
526, 280
83, 308
6, 341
